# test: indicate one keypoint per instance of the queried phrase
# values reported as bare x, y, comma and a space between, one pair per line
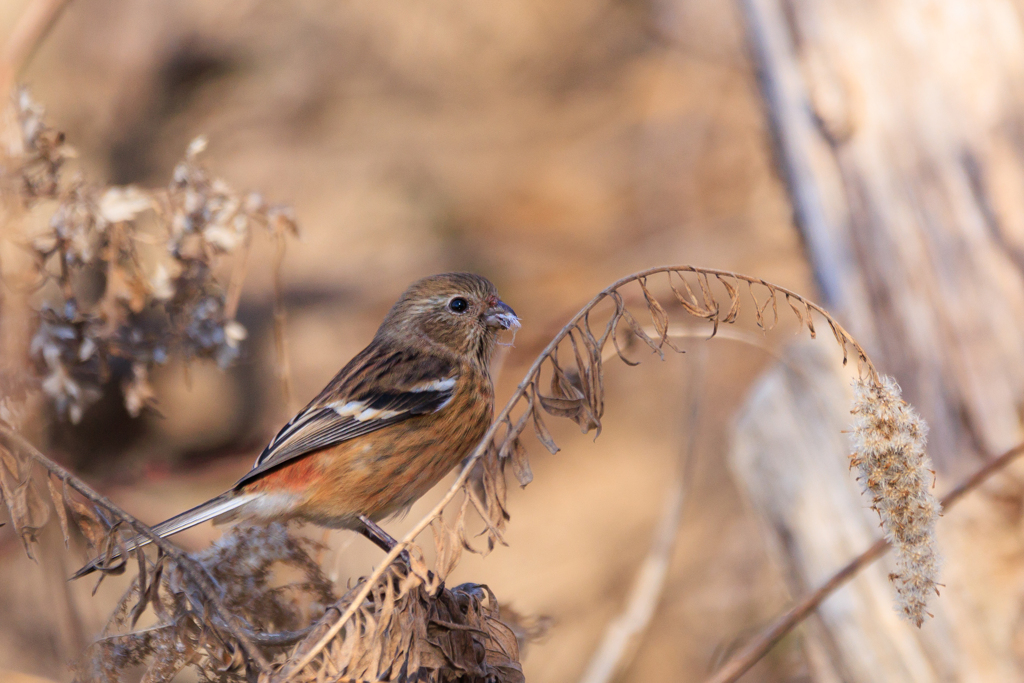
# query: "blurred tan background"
552, 147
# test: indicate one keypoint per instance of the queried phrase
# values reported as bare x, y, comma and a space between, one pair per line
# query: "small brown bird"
396, 419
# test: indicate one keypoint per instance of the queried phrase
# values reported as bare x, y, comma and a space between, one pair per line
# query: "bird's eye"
458, 305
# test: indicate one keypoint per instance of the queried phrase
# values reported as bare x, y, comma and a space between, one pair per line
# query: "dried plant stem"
743, 660
621, 635
307, 650
235, 284
284, 366
13, 441
738, 336
29, 31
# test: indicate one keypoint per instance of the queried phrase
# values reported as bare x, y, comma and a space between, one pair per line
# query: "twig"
239, 270
741, 662
284, 366
739, 336
620, 636
310, 650
11, 440
28, 33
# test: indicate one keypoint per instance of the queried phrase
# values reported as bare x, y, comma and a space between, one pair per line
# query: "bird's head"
459, 311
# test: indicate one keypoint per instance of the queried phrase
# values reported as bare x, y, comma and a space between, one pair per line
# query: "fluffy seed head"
888, 450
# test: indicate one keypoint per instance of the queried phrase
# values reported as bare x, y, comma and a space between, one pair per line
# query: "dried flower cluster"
127, 275
889, 452
410, 627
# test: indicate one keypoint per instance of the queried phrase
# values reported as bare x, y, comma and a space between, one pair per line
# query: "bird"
391, 424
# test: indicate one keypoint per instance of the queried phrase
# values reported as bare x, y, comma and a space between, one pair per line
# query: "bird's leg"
380, 538
386, 542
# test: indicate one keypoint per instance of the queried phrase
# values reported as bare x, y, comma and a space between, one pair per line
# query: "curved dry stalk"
621, 634
28, 33
14, 442
284, 367
581, 398
742, 661
738, 336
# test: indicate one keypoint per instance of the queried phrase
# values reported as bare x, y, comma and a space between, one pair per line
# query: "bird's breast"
385, 471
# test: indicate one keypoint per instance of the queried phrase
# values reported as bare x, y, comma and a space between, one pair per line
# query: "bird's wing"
378, 388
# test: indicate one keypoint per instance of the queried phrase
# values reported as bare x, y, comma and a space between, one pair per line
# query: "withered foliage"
426, 632
567, 378
132, 274
265, 576
235, 610
126, 273
410, 627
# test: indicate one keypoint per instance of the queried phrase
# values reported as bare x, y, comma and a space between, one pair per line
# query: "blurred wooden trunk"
899, 127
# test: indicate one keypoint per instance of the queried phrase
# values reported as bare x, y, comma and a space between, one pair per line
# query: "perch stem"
743, 660
621, 635
28, 33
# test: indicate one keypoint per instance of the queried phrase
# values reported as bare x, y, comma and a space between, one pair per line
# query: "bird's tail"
215, 507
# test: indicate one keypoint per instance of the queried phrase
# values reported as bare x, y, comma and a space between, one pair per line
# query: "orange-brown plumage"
374, 475
393, 422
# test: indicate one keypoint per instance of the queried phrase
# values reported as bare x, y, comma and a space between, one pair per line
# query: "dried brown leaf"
710, 304
539, 428
521, 463
734, 300
612, 328
513, 432
29, 513
486, 515
658, 315
57, 498
448, 547
774, 300
810, 321
595, 347
576, 409
638, 331
143, 589
689, 300
88, 522
758, 310
840, 339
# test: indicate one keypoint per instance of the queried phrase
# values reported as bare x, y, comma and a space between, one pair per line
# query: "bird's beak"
501, 316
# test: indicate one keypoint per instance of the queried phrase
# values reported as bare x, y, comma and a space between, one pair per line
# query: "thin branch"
13, 441
311, 649
239, 269
28, 33
738, 336
621, 634
284, 366
741, 662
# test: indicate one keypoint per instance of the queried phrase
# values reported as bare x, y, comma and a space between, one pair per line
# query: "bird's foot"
380, 538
